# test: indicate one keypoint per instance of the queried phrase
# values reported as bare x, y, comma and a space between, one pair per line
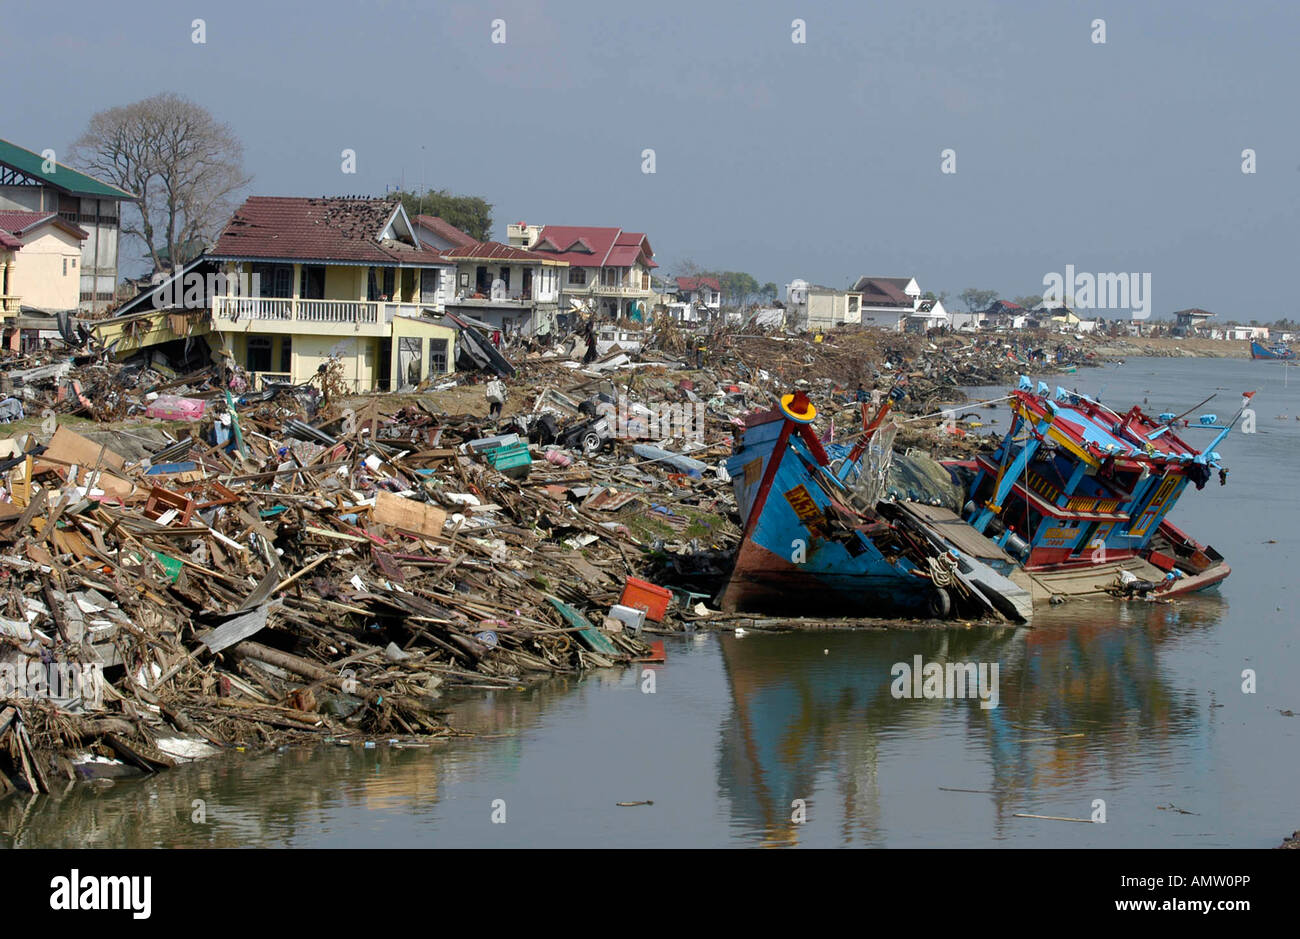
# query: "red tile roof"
446, 230
495, 251
594, 247
330, 229
8, 241
694, 283
17, 223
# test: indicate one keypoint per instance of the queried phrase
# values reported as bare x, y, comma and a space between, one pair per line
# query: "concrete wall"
826, 309
427, 333
47, 271
28, 199
345, 283
359, 357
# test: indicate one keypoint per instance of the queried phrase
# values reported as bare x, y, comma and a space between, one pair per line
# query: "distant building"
929, 314
1247, 333
1056, 316
1001, 314
510, 288
40, 256
888, 302
608, 268
813, 307
29, 183
523, 235
695, 299
1191, 322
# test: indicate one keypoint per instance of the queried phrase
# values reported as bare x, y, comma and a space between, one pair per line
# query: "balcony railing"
615, 290
291, 310
10, 304
261, 379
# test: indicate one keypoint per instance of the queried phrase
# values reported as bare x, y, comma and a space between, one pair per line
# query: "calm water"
1138, 705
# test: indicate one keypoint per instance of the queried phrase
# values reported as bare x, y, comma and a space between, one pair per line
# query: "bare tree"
183, 164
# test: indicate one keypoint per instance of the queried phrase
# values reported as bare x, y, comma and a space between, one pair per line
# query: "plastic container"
640, 595
176, 408
632, 619
513, 459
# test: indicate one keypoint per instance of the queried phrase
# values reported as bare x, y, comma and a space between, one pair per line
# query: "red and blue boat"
821, 539
1080, 496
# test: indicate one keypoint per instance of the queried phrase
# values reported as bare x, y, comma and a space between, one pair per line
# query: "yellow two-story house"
304, 280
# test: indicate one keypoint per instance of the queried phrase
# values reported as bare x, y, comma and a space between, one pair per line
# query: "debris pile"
206, 565
330, 578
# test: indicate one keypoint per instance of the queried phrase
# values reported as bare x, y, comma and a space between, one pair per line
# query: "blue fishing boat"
1081, 494
1278, 351
820, 538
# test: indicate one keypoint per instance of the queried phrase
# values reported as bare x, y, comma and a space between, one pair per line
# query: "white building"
813, 307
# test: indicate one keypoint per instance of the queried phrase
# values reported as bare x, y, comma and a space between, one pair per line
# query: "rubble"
243, 567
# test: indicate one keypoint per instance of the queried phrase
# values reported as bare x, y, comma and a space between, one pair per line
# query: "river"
1136, 710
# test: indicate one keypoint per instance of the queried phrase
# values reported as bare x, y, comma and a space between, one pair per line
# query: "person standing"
496, 394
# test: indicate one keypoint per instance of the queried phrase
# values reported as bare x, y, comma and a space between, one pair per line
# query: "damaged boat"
1080, 496
821, 538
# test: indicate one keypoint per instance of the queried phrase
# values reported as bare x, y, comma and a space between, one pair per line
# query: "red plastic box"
645, 596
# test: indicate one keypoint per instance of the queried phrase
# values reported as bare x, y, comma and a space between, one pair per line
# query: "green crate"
512, 459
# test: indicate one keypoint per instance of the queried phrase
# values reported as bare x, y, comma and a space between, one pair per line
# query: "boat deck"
1088, 581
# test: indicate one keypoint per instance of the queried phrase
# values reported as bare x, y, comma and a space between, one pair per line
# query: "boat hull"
1258, 351
764, 581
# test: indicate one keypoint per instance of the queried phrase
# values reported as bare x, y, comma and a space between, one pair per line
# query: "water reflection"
814, 712
802, 716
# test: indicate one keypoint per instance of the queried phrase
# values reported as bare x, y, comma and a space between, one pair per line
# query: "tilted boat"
1080, 495
1279, 351
820, 538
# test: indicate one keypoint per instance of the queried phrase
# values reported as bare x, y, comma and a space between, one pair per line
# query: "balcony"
9, 303
611, 290
307, 314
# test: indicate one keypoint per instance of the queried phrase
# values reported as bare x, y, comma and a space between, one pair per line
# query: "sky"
822, 159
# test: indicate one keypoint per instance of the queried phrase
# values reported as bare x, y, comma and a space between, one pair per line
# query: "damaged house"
340, 277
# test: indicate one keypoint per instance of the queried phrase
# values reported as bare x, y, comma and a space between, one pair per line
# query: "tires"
938, 603
591, 442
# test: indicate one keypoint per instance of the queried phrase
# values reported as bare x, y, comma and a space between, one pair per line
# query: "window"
373, 291
276, 279
259, 353
312, 282
430, 280
437, 356
409, 364
286, 354
577, 275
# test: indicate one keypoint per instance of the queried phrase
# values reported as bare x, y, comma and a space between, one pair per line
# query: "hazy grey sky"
818, 160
